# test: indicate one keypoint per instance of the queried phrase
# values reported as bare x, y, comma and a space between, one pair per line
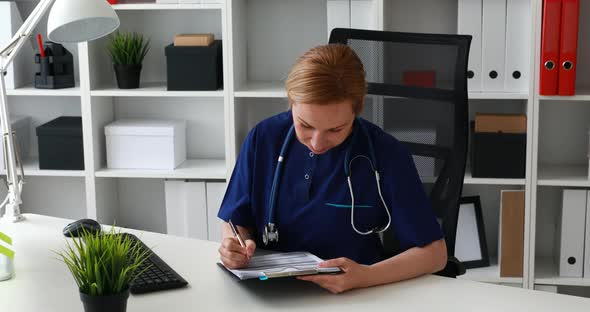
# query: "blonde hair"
327, 74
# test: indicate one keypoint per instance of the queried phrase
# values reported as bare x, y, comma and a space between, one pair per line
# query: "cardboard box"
511, 249
193, 40
503, 123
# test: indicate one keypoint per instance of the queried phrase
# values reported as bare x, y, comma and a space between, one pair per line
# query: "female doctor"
317, 178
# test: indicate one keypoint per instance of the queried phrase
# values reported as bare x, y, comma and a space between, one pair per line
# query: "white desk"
43, 283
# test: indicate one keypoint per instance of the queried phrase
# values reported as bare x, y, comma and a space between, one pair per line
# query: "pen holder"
56, 69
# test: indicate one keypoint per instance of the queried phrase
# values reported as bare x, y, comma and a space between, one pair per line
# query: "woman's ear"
359, 108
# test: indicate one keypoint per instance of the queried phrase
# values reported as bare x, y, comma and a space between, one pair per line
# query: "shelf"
583, 95
276, 89
31, 168
497, 96
482, 181
262, 89
489, 274
152, 89
490, 181
563, 175
547, 273
166, 6
30, 91
190, 169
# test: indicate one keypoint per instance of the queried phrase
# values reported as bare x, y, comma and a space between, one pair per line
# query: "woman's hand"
235, 256
354, 276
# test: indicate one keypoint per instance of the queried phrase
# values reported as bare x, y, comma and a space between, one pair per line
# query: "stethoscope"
270, 236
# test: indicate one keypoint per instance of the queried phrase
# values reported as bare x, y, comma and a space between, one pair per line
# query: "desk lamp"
69, 21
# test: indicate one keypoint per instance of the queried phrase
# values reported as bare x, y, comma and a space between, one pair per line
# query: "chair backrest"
419, 84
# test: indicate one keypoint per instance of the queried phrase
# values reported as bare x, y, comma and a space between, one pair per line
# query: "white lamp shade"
81, 20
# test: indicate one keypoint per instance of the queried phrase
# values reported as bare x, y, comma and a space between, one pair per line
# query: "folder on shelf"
511, 249
494, 42
362, 14
550, 34
587, 240
568, 51
338, 14
570, 244
186, 210
469, 23
518, 38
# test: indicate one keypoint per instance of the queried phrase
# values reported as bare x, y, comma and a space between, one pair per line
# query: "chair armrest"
453, 268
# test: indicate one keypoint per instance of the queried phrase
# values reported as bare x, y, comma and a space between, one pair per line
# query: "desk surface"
43, 283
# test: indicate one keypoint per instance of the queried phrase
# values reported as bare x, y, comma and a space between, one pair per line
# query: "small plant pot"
111, 303
128, 76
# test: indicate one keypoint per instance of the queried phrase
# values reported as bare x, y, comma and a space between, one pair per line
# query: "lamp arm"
7, 55
19, 39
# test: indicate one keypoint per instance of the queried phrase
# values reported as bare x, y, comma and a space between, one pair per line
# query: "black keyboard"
158, 276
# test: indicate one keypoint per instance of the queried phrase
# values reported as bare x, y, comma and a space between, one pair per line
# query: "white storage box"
146, 144
21, 125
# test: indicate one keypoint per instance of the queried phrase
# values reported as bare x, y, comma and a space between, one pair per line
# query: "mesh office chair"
420, 82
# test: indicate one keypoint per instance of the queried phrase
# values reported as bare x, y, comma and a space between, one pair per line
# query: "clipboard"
278, 265
267, 275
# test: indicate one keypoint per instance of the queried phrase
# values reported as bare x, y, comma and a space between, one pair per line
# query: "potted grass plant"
6, 257
104, 266
127, 50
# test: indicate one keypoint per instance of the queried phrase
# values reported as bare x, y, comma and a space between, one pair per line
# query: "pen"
237, 234
40, 42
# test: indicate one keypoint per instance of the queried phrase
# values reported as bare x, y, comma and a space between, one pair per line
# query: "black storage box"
498, 155
194, 68
60, 144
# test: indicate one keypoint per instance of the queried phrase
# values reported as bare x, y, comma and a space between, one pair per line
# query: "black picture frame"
473, 250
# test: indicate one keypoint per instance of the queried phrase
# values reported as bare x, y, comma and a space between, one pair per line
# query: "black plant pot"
110, 303
128, 76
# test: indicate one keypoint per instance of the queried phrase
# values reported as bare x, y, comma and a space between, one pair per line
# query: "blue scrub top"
313, 205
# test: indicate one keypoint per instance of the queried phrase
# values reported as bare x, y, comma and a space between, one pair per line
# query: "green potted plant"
127, 50
6, 257
103, 266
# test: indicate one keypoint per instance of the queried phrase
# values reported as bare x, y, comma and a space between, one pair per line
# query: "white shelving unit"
261, 40
164, 6
153, 89
31, 91
560, 160
207, 169
490, 274
547, 274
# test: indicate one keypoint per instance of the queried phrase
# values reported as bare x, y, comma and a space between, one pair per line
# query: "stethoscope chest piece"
270, 236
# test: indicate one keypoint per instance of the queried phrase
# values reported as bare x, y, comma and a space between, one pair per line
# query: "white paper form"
282, 265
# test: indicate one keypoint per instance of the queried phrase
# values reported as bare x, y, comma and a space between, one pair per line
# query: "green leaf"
6, 252
5, 238
128, 48
103, 264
